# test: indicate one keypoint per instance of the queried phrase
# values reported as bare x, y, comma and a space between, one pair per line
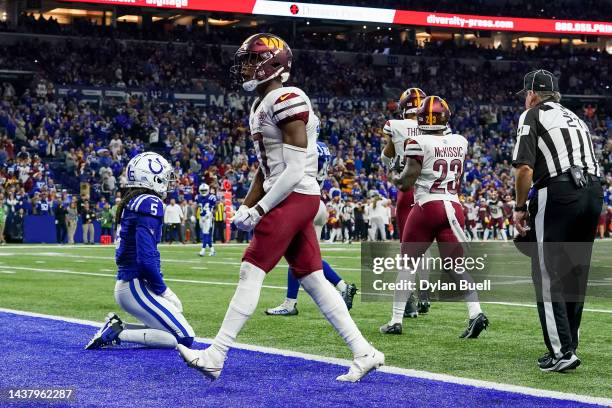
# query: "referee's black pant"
564, 218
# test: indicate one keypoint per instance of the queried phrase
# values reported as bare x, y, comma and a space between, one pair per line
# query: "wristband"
521, 208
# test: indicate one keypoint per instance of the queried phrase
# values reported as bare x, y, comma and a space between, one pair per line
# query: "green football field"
78, 282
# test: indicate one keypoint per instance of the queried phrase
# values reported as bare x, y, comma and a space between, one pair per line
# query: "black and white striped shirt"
550, 140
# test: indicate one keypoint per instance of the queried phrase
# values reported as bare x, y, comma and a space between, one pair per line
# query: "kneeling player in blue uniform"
348, 291
206, 205
140, 289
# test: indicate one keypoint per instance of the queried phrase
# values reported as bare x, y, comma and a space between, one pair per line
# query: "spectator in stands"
173, 218
61, 229
72, 220
88, 215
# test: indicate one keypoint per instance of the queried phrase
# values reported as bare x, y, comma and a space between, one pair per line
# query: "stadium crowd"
65, 157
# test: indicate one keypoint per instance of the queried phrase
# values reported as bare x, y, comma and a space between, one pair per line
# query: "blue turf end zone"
39, 352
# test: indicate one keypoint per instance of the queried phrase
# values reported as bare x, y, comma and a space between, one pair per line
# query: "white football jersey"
442, 160
400, 130
280, 106
495, 208
472, 211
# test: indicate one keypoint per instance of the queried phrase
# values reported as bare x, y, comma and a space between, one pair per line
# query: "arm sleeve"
527, 139
147, 255
295, 159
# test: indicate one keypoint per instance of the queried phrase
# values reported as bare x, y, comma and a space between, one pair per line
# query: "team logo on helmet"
273, 42
161, 166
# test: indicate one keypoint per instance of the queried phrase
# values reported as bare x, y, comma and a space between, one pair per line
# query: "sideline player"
348, 291
496, 212
280, 207
140, 289
206, 205
471, 218
434, 165
397, 132
508, 208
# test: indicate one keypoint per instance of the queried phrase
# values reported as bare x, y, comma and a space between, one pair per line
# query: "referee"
554, 153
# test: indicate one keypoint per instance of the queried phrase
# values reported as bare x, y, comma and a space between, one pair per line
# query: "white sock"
332, 306
400, 297
240, 309
341, 286
153, 338
424, 269
504, 235
473, 309
290, 302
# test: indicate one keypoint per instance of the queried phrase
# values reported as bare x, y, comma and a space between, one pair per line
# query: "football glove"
246, 218
171, 297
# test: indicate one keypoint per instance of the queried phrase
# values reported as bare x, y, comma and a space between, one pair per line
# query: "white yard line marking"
8, 272
533, 306
111, 275
517, 389
204, 282
166, 260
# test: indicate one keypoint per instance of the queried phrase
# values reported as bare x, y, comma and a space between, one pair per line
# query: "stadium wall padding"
40, 229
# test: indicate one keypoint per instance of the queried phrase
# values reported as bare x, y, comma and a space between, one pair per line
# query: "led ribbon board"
374, 15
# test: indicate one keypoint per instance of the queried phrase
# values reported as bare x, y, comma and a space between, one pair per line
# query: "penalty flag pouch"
578, 177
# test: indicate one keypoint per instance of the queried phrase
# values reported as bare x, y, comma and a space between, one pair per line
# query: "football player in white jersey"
434, 166
495, 205
396, 132
471, 218
280, 207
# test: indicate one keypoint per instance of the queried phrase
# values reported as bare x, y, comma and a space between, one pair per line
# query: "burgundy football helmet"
410, 100
260, 58
433, 114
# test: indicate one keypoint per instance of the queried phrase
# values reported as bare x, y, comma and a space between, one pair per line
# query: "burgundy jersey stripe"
258, 137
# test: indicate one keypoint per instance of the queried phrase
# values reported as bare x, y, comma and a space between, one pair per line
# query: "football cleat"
423, 307
411, 309
363, 365
389, 328
548, 363
348, 294
108, 334
284, 309
424, 303
212, 252
202, 252
475, 327
201, 361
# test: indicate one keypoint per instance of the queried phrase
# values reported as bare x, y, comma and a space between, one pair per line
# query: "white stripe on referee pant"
551, 325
